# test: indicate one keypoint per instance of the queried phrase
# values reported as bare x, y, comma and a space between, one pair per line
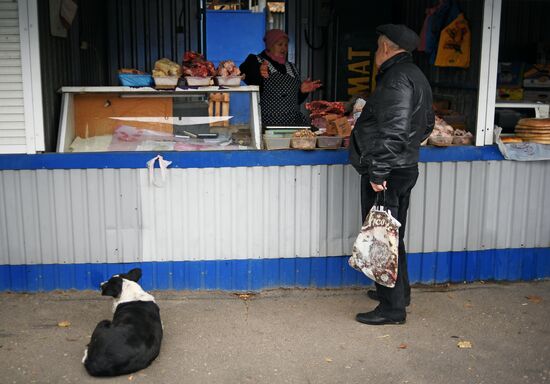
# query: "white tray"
197, 81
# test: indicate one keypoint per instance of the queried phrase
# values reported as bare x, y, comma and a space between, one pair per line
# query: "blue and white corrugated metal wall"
249, 228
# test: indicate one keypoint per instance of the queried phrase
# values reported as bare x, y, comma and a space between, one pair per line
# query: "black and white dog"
132, 340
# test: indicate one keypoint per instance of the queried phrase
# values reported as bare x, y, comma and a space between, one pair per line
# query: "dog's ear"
134, 275
113, 287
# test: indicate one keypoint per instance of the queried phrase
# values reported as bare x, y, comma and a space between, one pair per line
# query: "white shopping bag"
375, 251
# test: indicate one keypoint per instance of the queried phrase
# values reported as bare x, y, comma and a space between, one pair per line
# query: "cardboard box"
504, 93
509, 75
339, 127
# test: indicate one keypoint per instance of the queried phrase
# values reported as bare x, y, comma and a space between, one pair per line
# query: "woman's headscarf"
270, 38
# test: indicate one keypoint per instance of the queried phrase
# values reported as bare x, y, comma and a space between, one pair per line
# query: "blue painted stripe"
461, 153
220, 159
254, 275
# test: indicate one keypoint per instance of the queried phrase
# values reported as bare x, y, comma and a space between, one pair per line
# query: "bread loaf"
534, 123
511, 139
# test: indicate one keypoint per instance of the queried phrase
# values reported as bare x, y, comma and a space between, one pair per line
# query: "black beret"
401, 35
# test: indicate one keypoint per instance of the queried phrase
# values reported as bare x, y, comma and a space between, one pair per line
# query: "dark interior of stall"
333, 41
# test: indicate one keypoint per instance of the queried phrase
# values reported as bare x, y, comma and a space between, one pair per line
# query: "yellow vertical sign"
360, 72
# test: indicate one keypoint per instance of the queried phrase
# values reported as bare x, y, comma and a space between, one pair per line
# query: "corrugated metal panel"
461, 215
60, 66
523, 28
12, 117
479, 205
142, 32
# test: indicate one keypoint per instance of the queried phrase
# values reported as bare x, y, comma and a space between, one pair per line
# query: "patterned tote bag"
375, 249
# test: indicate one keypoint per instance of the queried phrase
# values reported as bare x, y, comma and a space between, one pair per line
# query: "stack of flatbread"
534, 130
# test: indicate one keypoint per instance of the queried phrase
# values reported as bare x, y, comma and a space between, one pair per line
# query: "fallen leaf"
468, 305
534, 299
64, 324
328, 359
130, 378
402, 346
245, 296
450, 296
464, 344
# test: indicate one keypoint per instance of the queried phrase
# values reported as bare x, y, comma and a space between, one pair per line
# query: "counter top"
220, 159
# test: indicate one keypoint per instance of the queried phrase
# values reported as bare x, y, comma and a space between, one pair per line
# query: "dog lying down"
131, 341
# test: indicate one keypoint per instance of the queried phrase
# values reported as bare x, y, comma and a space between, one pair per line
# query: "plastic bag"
375, 251
454, 44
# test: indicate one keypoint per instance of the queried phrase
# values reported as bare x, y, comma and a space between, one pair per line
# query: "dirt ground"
295, 336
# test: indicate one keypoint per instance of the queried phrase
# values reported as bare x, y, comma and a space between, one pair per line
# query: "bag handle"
163, 164
380, 207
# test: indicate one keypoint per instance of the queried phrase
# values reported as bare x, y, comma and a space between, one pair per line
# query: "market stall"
237, 206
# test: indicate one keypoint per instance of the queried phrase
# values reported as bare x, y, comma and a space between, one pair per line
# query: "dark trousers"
400, 183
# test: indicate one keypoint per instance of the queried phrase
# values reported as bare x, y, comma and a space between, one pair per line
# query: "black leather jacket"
396, 118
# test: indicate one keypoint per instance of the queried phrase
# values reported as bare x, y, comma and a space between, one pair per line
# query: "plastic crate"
277, 142
303, 142
132, 80
329, 142
166, 81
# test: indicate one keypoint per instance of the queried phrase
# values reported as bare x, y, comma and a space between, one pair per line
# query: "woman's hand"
308, 86
264, 71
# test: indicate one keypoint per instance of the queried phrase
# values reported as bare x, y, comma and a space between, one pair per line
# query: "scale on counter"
285, 130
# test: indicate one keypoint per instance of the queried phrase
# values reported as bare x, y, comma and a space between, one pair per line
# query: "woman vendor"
281, 89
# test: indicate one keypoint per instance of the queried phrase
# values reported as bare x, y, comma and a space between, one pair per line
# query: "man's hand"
264, 71
308, 86
378, 187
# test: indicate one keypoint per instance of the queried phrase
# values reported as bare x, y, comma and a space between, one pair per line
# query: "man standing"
384, 149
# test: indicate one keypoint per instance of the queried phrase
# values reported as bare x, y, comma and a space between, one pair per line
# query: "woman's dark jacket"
396, 118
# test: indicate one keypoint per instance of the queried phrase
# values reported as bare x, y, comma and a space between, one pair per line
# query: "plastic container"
166, 81
229, 81
329, 142
276, 142
303, 142
463, 140
132, 80
198, 81
441, 141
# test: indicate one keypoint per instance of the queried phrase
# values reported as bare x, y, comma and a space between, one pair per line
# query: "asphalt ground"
295, 336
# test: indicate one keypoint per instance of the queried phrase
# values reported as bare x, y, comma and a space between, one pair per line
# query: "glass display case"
102, 119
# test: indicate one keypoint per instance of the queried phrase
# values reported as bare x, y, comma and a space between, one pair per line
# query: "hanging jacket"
396, 118
446, 11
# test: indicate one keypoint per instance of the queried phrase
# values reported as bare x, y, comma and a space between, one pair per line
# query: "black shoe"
375, 318
372, 294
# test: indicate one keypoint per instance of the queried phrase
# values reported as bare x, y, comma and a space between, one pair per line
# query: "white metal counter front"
259, 219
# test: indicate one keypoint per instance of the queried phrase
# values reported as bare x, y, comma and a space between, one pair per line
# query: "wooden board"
94, 112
